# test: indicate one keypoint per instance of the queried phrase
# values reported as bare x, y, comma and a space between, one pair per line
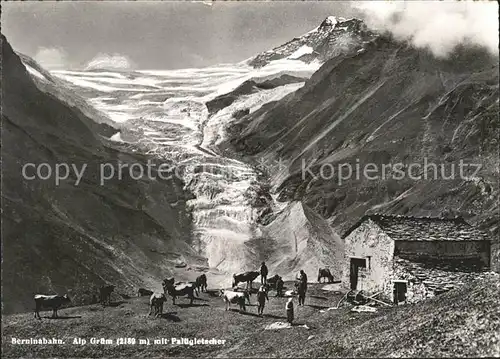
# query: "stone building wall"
452, 250
427, 280
368, 240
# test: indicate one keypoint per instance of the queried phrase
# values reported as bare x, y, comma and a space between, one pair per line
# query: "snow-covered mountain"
164, 115
236, 135
334, 36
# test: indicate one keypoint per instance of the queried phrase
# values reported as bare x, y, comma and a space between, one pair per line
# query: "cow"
245, 292
247, 277
49, 301
273, 280
156, 302
105, 294
201, 283
231, 297
144, 292
181, 283
325, 273
177, 290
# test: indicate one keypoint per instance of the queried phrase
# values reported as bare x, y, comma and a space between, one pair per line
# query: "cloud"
438, 26
106, 61
51, 58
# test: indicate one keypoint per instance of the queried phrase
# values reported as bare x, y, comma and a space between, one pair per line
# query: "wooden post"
376, 300
341, 300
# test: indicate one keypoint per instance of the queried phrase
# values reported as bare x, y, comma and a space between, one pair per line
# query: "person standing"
301, 293
263, 273
279, 287
289, 311
261, 299
302, 287
303, 277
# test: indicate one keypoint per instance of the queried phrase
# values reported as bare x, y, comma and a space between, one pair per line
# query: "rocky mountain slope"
298, 238
73, 238
385, 105
334, 36
100, 123
249, 87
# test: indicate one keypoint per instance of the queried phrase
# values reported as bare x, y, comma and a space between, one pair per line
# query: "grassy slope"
463, 322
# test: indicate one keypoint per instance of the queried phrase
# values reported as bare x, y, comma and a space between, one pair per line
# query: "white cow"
231, 297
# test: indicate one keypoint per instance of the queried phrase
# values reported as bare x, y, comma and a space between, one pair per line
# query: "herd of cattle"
189, 289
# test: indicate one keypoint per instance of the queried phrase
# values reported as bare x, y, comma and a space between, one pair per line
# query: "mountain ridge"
332, 37
390, 103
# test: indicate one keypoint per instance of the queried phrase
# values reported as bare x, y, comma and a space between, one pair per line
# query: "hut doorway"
356, 263
399, 291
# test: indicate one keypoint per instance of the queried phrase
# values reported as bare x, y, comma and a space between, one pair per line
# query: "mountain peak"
333, 36
331, 21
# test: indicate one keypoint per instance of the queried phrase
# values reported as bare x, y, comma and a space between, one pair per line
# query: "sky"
156, 35
181, 34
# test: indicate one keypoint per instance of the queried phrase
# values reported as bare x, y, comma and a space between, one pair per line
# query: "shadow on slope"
73, 238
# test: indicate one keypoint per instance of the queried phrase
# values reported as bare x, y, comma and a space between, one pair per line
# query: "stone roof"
404, 228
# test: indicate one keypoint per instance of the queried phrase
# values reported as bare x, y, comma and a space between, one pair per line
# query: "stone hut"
411, 258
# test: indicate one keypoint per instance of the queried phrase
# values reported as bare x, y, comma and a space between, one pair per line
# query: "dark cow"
180, 283
325, 273
231, 297
178, 290
201, 283
273, 280
144, 292
105, 294
195, 287
247, 277
156, 303
49, 301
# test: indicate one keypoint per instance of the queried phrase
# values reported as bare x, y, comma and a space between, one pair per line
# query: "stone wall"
495, 256
368, 240
425, 280
452, 250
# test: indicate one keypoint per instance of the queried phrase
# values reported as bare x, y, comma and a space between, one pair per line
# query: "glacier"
164, 113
